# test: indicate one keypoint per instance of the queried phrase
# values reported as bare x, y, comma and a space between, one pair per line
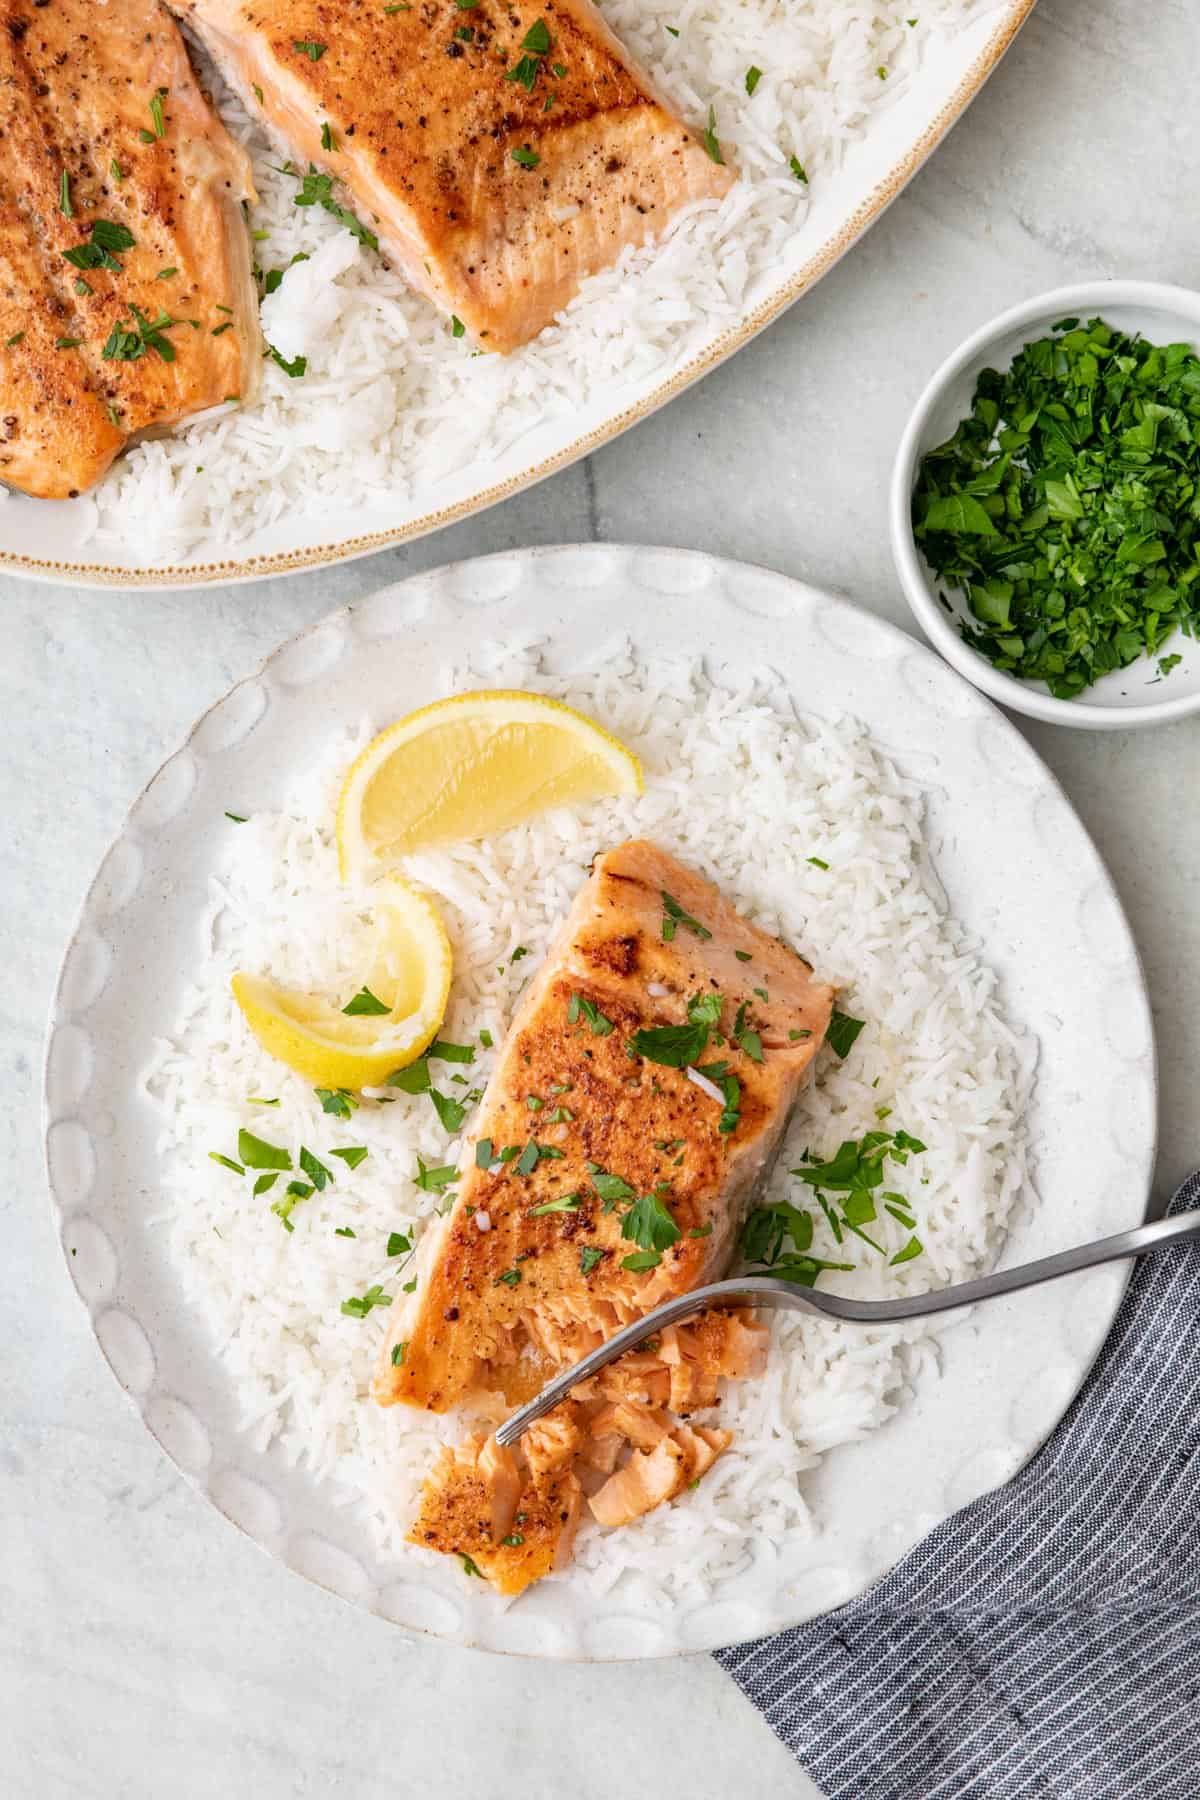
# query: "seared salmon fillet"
648, 1075
592, 1153
502, 152
126, 298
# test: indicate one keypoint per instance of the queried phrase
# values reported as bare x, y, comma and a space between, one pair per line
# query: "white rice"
740, 787
392, 409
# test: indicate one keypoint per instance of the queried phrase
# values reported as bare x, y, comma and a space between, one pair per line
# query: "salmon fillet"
503, 152
603, 1180
579, 1137
101, 230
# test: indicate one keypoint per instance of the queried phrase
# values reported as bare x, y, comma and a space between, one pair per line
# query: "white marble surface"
145, 1648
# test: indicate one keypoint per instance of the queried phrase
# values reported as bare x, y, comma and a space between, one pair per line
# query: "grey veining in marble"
145, 1648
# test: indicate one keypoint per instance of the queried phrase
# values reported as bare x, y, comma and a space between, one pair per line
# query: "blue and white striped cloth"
1046, 1640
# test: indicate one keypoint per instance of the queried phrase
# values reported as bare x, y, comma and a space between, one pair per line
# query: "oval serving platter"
49, 540
1020, 872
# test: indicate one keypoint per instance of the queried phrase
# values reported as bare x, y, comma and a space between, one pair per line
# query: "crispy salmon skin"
502, 152
603, 1180
126, 298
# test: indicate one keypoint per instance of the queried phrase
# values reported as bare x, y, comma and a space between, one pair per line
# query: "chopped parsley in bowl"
1045, 506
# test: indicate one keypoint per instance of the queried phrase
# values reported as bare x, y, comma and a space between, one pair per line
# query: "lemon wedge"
407, 973
469, 767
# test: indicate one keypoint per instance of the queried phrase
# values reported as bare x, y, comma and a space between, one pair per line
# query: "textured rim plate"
46, 539
1020, 872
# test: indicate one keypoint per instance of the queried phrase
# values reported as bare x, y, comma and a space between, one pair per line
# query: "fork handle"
769, 1291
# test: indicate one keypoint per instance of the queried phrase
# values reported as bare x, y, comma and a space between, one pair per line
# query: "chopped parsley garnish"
796, 1036
528, 159
450, 1111
743, 956
398, 1351
649, 1225
510, 1278
64, 196
310, 48
256, 1153
414, 1079
580, 1007
529, 1158
514, 1540
227, 1162
610, 1188
444, 1051
817, 862
753, 77
67, 343
711, 143
295, 1193
359, 1305
317, 190
486, 1039
399, 1243
483, 1153
677, 1046
674, 916
339, 1103
14, 340
842, 1032
1063, 505
457, 328
294, 370
640, 1260
265, 1183
344, 1231
433, 1180
798, 169
328, 141
564, 1204
537, 39
315, 1169
914, 1247
100, 251
116, 171
365, 1002
700, 1231
156, 113
470, 1567
129, 343
589, 1257
352, 1155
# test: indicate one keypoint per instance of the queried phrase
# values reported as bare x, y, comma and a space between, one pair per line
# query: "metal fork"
770, 1292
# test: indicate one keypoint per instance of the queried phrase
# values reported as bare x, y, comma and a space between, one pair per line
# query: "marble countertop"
145, 1648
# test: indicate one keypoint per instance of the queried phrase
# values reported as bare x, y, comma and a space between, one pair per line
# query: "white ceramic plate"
48, 539
1019, 869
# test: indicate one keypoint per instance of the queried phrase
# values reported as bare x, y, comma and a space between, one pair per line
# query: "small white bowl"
1163, 315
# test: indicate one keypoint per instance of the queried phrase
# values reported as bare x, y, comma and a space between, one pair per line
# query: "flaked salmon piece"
553, 1442
469, 1502
553, 1258
501, 158
126, 298
642, 1426
512, 1528
646, 1481
702, 1446
715, 1345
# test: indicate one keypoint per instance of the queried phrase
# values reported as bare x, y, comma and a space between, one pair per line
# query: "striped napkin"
1046, 1640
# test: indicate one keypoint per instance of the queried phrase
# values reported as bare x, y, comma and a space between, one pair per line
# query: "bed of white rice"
739, 786
393, 408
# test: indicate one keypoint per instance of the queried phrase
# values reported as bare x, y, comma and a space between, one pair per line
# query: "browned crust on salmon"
494, 204
76, 82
